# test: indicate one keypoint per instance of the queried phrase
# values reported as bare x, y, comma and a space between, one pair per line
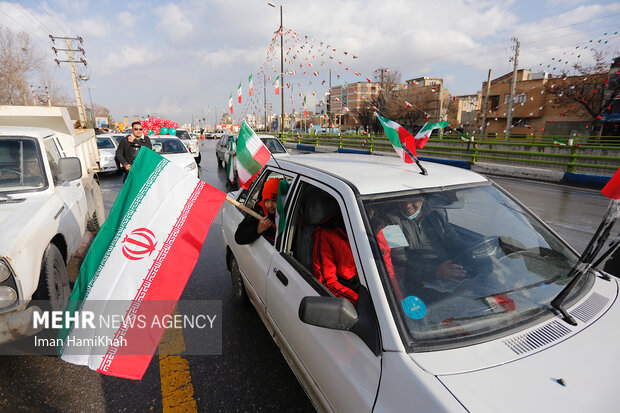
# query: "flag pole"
244, 208
417, 161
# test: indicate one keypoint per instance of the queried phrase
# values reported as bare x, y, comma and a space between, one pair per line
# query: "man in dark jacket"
129, 147
250, 228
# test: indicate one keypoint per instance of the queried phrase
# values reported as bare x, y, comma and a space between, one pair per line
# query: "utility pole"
47, 93
34, 97
329, 108
513, 86
485, 108
72, 62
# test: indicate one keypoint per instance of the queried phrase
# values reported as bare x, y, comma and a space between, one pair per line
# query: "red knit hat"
270, 189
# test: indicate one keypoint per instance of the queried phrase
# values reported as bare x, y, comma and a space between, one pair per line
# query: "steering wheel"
485, 247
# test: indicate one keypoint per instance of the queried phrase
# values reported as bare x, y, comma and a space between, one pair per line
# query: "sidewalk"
522, 172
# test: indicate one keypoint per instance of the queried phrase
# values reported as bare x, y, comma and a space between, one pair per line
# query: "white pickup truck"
49, 197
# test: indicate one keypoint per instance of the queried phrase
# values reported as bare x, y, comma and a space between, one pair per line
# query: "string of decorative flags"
308, 57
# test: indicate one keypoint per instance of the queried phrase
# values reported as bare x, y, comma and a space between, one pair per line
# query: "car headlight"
191, 166
5, 273
8, 296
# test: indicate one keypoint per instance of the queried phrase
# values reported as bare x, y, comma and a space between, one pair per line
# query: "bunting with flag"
138, 265
252, 155
422, 136
239, 93
230, 105
399, 138
251, 86
277, 85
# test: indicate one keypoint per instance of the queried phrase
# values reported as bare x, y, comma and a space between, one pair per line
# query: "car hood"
107, 152
180, 159
577, 374
15, 217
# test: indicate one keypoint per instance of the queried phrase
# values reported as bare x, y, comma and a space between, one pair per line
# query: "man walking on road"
129, 146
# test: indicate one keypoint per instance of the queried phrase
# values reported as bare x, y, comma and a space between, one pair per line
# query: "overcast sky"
178, 58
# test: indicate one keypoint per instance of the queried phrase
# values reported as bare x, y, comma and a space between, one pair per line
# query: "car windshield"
182, 134
168, 145
273, 145
466, 263
21, 168
105, 143
118, 138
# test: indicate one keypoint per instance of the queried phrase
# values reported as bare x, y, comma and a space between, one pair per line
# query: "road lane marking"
177, 390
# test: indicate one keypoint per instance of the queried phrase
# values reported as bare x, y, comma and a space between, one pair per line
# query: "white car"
107, 152
488, 342
191, 143
175, 151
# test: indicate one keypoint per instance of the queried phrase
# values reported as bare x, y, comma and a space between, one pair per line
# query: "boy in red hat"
250, 228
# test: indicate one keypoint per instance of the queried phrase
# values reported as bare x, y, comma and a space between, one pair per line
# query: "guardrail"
576, 158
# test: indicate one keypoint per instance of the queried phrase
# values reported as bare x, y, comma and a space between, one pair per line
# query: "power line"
33, 15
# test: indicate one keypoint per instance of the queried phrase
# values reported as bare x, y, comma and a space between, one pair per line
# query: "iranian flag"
280, 203
239, 93
277, 85
252, 155
230, 170
138, 265
422, 136
230, 104
251, 87
560, 142
399, 138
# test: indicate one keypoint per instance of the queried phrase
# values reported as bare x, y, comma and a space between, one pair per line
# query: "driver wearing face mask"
431, 242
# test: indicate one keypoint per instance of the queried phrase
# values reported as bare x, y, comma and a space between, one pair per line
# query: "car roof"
375, 174
26, 131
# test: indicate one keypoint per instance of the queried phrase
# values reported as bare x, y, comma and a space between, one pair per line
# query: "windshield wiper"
6, 196
584, 263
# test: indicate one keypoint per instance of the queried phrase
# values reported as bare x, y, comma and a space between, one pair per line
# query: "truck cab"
49, 200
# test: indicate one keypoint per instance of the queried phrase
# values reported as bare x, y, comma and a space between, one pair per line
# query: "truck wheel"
54, 280
93, 224
198, 159
241, 296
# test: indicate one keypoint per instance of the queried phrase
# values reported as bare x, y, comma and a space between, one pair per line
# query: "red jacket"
333, 263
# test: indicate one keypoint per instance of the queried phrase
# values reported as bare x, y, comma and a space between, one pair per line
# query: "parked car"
273, 144
222, 148
191, 143
175, 151
107, 151
489, 341
49, 198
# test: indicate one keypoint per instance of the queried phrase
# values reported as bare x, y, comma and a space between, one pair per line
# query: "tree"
20, 63
587, 88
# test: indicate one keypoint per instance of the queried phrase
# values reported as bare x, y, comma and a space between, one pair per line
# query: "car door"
72, 196
255, 258
342, 371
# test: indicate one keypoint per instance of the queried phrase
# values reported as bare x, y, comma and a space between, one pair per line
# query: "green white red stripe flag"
557, 141
251, 87
230, 169
239, 93
280, 203
422, 136
277, 85
230, 105
143, 254
399, 138
252, 155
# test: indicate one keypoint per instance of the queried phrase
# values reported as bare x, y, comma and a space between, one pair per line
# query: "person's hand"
451, 272
127, 167
264, 224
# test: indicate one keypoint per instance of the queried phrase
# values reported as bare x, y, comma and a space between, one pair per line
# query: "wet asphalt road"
251, 374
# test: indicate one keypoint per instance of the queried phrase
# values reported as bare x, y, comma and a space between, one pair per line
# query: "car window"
105, 143
306, 242
53, 156
257, 189
182, 134
166, 146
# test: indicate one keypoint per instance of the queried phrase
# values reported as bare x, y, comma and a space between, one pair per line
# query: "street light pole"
281, 30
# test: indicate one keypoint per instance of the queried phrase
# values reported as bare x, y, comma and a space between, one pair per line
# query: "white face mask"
415, 214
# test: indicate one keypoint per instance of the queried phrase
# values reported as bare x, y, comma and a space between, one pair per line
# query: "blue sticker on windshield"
414, 307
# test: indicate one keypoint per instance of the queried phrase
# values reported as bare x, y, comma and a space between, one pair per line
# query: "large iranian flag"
399, 138
422, 136
252, 155
138, 265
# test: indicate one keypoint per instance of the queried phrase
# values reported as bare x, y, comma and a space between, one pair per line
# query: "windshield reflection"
20, 166
466, 262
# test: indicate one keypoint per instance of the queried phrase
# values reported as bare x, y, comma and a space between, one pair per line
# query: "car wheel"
241, 296
198, 158
54, 279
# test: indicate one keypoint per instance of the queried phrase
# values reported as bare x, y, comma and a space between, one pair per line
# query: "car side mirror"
329, 312
69, 169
